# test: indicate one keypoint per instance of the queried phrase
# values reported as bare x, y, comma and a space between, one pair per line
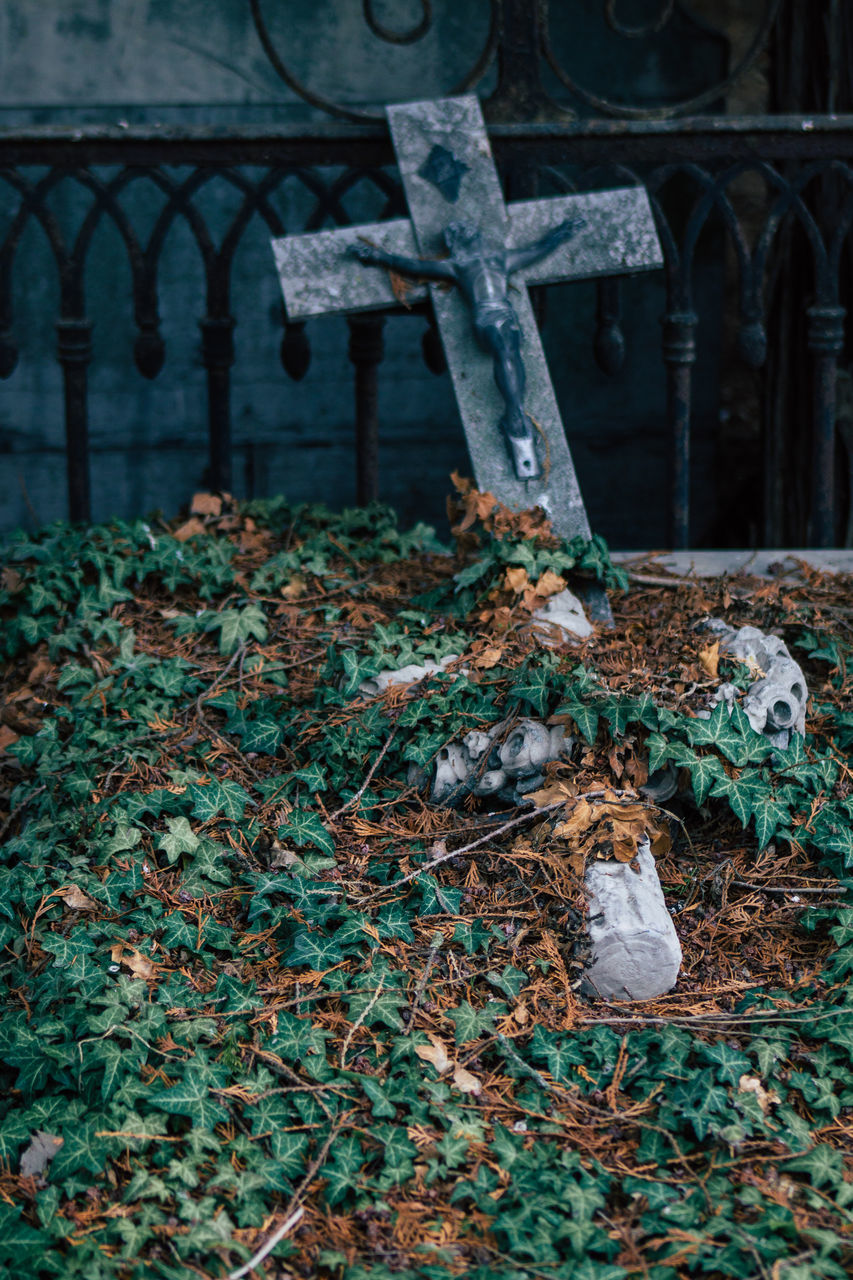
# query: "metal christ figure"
481, 271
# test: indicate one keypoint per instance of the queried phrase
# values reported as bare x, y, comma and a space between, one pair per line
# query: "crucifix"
475, 257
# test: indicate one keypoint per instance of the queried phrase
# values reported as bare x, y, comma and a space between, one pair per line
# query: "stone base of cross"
449, 175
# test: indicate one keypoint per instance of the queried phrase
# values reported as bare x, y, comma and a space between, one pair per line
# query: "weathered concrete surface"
634, 949
318, 278
768, 563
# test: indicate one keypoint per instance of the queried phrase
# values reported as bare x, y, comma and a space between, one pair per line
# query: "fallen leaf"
709, 659
521, 1013
39, 671
206, 504
465, 1082
752, 1084
138, 964
401, 288
435, 1053
516, 580
189, 529
37, 1156
490, 657
550, 584
553, 794
11, 580
8, 737
75, 898
295, 588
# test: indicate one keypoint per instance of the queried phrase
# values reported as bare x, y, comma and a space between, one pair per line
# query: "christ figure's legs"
503, 339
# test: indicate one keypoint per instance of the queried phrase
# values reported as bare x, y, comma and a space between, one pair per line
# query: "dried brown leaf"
465, 1081
709, 659
435, 1053
550, 584
206, 504
189, 529
75, 898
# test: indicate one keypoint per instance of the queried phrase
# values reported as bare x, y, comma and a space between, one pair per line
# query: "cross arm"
319, 278
528, 255
618, 237
405, 264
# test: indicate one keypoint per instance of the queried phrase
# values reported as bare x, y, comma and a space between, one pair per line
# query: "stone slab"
766, 563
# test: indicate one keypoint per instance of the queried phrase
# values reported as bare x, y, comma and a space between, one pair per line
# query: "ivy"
224, 973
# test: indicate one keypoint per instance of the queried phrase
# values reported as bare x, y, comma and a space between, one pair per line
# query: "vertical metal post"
679, 353
366, 349
74, 349
217, 333
826, 342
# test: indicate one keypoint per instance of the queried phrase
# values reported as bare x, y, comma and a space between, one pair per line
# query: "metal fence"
798, 169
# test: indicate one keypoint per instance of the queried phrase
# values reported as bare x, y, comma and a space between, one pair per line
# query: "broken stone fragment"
508, 760
412, 674
775, 703
634, 952
561, 619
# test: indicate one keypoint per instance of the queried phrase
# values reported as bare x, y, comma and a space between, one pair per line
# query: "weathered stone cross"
448, 174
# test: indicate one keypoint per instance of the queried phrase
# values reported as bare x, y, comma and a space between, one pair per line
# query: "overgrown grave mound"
242, 1018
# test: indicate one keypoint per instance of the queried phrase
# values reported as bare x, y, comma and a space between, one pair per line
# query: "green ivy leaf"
235, 626
191, 1096
316, 950
823, 1164
721, 731
704, 772
470, 1023
741, 792
180, 839
263, 734
729, 1064
770, 815
304, 828
16, 1237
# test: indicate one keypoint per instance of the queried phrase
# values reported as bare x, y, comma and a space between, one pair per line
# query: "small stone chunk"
634, 949
412, 674
561, 619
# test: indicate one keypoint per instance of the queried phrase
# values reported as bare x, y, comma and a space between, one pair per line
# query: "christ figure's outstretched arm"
421, 268
528, 254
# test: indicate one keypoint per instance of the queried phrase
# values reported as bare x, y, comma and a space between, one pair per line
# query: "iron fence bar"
697, 138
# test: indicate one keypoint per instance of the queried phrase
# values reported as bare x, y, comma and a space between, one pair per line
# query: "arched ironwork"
708, 172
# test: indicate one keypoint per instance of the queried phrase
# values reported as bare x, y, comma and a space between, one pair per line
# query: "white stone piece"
634, 949
411, 674
775, 703
561, 619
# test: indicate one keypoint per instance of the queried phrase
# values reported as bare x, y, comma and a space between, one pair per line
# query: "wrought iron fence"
803, 167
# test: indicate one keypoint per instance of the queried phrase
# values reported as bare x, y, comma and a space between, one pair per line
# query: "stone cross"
448, 174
